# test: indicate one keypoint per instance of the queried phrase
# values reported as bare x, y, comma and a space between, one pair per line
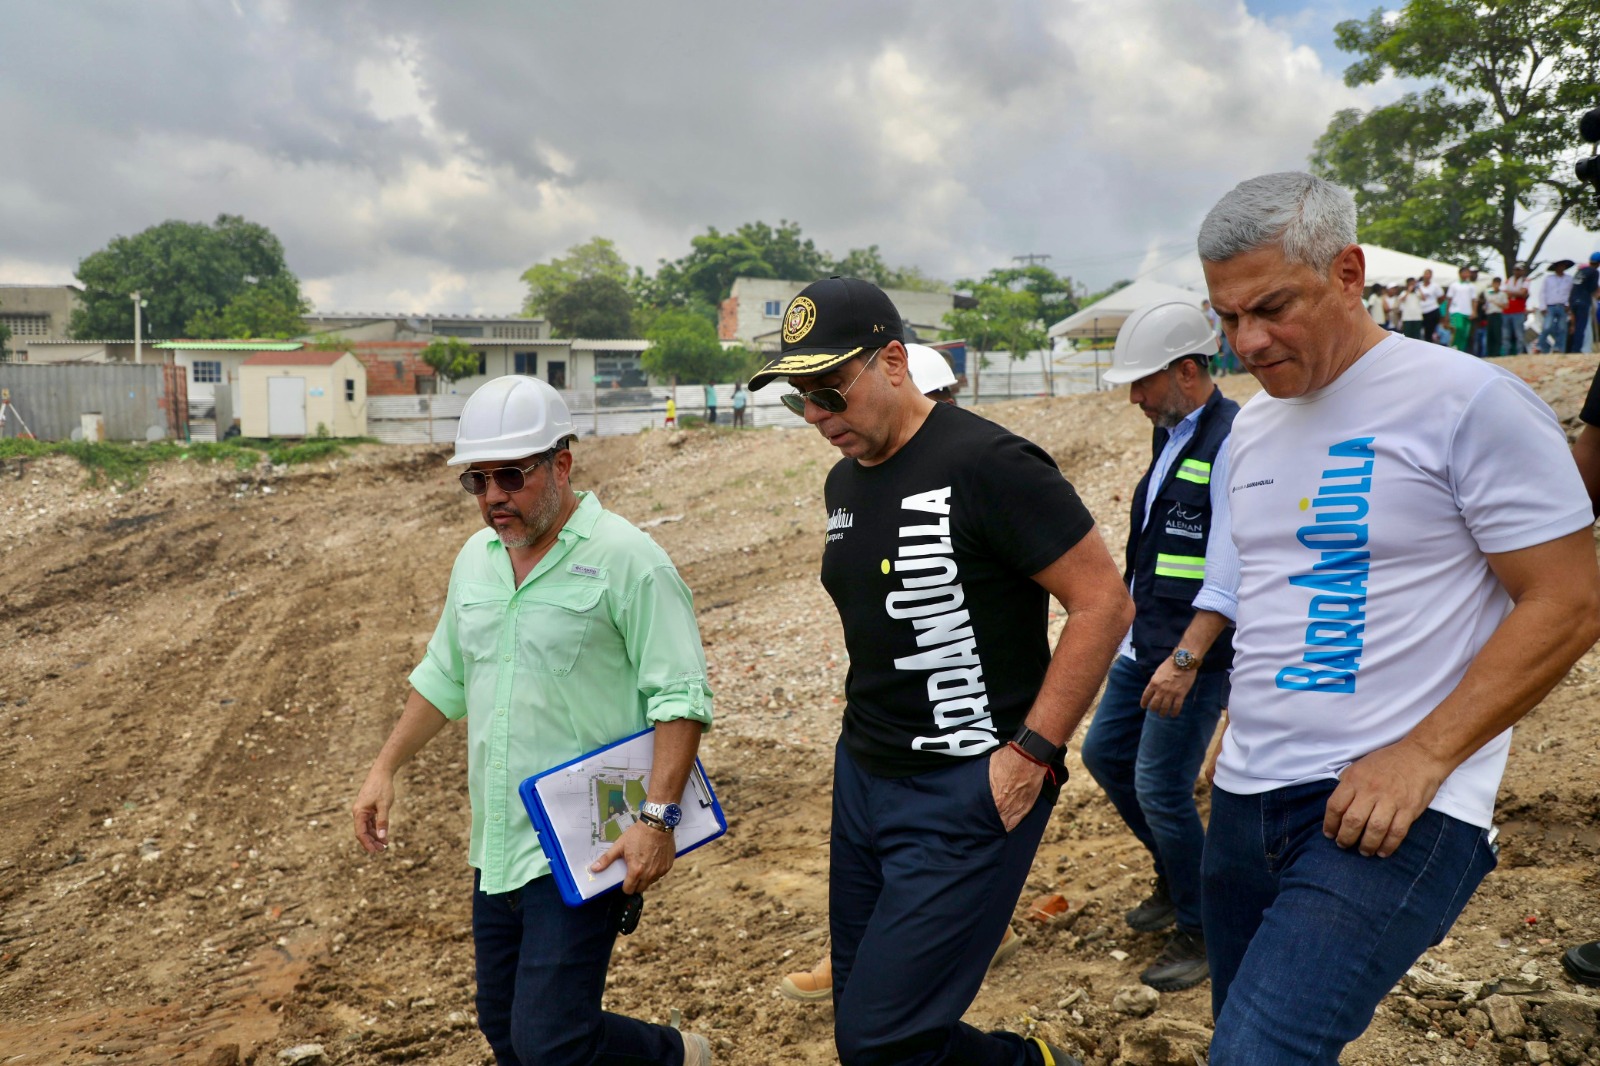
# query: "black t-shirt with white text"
928, 560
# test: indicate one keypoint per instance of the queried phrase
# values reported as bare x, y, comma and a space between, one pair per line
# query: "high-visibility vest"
1166, 560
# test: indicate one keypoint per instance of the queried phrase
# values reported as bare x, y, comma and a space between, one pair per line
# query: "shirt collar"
579, 524
1190, 420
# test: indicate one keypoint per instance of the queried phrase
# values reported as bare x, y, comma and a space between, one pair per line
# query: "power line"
1031, 258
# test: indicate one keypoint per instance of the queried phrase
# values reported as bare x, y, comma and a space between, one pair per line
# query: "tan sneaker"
810, 986
815, 985
1008, 946
696, 1050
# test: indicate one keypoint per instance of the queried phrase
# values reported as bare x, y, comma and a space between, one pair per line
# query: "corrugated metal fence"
136, 402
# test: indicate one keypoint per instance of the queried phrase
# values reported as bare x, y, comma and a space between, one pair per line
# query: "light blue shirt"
1219, 591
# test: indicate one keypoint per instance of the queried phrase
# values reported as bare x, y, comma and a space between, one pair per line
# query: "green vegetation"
452, 359
1478, 152
547, 282
684, 346
227, 278
588, 292
1015, 308
126, 465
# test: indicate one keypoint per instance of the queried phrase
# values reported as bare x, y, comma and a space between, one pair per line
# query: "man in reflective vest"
1169, 683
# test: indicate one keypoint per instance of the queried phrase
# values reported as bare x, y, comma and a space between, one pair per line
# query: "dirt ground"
195, 675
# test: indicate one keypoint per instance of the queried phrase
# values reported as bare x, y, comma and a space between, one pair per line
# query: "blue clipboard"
581, 807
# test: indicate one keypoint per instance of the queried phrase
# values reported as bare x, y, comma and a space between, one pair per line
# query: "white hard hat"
509, 418
929, 371
1155, 336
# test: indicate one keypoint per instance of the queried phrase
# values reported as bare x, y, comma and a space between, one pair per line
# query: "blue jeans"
922, 881
541, 973
1555, 328
1512, 324
1147, 765
1580, 312
1305, 937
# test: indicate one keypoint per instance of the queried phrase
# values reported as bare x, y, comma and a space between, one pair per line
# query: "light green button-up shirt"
599, 642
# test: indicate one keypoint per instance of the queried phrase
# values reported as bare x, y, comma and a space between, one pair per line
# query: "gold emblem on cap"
798, 322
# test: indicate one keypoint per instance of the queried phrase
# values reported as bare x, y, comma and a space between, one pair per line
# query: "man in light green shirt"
564, 629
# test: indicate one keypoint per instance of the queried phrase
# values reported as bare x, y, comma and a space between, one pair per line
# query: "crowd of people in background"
1496, 319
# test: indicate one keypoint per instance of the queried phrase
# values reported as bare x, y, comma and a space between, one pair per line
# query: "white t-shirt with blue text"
1362, 513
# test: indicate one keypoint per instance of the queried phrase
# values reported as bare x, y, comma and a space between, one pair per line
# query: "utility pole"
1031, 258
138, 329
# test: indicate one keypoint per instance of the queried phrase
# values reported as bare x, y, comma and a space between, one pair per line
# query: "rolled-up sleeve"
663, 641
440, 677
1220, 590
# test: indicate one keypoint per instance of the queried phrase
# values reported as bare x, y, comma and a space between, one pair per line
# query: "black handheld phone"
628, 908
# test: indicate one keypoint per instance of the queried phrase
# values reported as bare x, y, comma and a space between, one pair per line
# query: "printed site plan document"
581, 808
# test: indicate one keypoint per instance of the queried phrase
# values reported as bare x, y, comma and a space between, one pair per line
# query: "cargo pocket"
552, 624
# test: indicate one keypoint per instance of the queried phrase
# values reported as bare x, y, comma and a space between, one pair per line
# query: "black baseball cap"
831, 322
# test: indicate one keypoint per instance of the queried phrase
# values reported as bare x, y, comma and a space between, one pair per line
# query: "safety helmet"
1155, 336
929, 371
509, 418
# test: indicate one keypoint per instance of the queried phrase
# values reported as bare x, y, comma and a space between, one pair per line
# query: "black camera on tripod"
1588, 170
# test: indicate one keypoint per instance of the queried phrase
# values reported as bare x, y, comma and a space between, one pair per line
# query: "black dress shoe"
1582, 963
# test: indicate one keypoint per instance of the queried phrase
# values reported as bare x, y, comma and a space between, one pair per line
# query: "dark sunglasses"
830, 400
508, 478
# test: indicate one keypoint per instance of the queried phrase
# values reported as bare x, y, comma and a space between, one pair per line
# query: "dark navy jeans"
1581, 314
922, 881
541, 973
1147, 765
1305, 937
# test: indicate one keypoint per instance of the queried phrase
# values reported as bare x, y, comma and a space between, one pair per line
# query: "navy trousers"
922, 882
541, 973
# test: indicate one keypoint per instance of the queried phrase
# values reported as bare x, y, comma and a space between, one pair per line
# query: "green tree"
599, 306
451, 358
700, 281
1015, 306
596, 258
183, 269
1448, 169
271, 308
867, 263
754, 250
684, 346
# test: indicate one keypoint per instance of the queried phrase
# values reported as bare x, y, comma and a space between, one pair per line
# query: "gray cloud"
411, 154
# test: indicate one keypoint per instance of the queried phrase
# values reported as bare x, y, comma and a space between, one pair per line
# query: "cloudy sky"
415, 155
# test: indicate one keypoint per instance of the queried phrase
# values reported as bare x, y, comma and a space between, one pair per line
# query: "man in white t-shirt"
1463, 306
1417, 572
1430, 293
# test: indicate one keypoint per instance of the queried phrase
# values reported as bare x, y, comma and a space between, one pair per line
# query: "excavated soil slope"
195, 674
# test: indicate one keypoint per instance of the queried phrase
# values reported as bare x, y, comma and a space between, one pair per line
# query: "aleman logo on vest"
1182, 522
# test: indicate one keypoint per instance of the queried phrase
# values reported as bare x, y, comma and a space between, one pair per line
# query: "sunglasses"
507, 478
830, 400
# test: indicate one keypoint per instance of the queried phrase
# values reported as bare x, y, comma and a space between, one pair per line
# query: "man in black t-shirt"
946, 537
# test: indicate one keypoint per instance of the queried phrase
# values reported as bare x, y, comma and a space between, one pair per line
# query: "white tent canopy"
1105, 316
1393, 268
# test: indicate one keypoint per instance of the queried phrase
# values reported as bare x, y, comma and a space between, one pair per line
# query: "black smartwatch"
1038, 747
